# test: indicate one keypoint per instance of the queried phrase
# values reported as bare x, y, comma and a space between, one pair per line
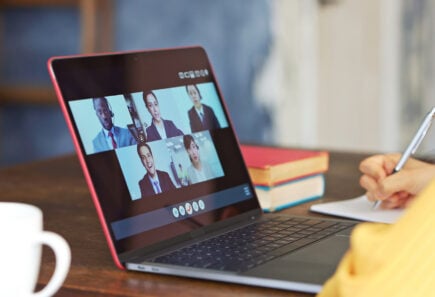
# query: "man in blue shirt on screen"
111, 136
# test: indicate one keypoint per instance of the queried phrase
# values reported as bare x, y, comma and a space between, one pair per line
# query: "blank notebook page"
359, 209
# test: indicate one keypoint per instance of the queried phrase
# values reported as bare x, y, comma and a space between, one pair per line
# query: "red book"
270, 166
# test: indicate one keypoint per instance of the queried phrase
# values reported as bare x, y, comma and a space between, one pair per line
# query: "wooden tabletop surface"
58, 187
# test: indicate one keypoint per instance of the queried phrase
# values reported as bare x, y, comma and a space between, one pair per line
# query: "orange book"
270, 166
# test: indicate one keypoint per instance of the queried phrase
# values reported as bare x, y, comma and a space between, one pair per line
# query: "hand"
395, 190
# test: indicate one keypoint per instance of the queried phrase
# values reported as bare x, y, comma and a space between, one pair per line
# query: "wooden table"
57, 186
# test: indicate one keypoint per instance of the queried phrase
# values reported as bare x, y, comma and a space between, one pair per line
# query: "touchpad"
313, 264
328, 251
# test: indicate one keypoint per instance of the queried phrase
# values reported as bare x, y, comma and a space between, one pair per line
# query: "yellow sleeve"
390, 260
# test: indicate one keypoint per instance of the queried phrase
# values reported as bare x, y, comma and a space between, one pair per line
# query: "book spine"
294, 203
264, 182
316, 190
269, 187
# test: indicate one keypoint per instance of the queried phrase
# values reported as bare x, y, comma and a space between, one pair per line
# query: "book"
291, 193
359, 208
269, 166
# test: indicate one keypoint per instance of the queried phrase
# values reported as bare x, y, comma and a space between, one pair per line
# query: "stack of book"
285, 177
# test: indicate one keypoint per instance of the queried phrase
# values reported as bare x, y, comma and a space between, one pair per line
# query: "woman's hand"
398, 189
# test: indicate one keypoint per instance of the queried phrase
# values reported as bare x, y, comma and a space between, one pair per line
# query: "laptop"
168, 180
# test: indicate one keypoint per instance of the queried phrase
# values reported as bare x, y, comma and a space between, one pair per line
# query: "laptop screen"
156, 140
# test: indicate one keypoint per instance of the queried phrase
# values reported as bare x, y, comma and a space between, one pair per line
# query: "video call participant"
159, 128
201, 116
198, 170
154, 181
111, 136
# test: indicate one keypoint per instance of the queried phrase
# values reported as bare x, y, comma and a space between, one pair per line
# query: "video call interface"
161, 159
177, 149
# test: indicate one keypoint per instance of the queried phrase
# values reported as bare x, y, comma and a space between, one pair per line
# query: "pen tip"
376, 204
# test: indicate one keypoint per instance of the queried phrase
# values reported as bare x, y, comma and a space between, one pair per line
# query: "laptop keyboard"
254, 244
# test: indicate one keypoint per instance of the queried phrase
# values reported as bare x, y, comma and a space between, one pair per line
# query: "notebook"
167, 177
359, 208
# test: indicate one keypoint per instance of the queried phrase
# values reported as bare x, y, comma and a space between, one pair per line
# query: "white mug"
21, 240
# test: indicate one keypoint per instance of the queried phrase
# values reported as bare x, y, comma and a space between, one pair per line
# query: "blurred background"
339, 75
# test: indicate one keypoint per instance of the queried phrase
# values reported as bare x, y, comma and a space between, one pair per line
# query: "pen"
413, 145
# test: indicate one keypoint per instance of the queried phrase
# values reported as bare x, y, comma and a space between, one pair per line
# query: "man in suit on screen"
201, 116
110, 137
155, 181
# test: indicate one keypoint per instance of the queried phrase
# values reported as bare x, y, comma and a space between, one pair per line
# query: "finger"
394, 203
368, 183
372, 187
373, 166
370, 197
403, 195
387, 204
403, 202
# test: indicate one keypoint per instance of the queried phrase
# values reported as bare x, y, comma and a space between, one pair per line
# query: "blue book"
291, 193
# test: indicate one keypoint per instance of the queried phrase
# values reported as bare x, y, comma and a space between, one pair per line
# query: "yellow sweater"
390, 260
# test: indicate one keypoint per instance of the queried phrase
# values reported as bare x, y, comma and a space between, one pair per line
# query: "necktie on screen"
157, 187
201, 115
113, 139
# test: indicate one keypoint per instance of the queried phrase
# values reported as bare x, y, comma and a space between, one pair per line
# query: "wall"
236, 35
376, 70
345, 75
349, 75
28, 37
287, 84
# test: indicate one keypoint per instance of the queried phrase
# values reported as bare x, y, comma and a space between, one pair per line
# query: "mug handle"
62, 254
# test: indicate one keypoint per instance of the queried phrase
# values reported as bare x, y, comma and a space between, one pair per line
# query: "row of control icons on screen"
188, 208
193, 73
